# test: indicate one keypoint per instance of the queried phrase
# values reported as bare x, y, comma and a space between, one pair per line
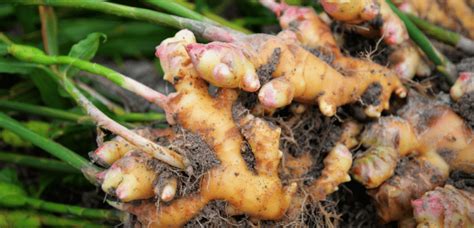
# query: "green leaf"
11, 195
48, 88
6, 10
15, 67
3, 49
84, 49
19, 219
12, 139
46, 85
9, 175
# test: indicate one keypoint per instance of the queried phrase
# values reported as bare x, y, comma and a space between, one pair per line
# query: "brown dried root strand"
259, 195
452, 14
335, 172
314, 33
444, 207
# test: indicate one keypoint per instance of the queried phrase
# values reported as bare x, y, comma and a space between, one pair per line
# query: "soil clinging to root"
465, 108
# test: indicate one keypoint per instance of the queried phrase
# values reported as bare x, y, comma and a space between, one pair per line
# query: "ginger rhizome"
225, 127
456, 15
261, 194
437, 141
287, 72
315, 35
407, 60
444, 207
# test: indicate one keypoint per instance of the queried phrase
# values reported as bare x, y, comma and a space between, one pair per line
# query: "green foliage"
14, 140
11, 195
19, 219
84, 49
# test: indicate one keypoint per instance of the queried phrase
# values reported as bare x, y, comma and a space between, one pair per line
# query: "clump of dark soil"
311, 132
265, 71
462, 180
465, 108
200, 156
372, 94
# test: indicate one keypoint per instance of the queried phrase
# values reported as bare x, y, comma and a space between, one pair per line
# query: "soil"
462, 180
372, 94
265, 71
200, 156
465, 108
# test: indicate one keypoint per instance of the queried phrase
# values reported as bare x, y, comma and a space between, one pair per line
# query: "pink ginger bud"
224, 65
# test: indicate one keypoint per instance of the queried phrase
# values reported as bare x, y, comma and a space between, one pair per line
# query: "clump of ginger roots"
224, 127
406, 59
437, 141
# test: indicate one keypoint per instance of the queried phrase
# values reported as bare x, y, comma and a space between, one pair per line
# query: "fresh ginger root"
456, 15
316, 82
463, 85
129, 178
433, 134
260, 194
224, 126
444, 207
393, 30
406, 60
114, 149
313, 33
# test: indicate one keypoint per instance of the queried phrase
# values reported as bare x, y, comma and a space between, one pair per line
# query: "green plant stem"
168, 156
73, 210
185, 9
178, 9
45, 111
205, 30
442, 64
140, 117
49, 29
23, 218
37, 162
55, 221
50, 146
116, 109
443, 34
34, 55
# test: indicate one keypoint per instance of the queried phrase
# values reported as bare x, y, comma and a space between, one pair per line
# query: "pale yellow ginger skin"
392, 199
432, 132
456, 15
351, 11
408, 61
112, 150
259, 195
375, 166
336, 171
312, 32
315, 83
463, 85
444, 207
393, 30
233, 71
318, 82
129, 178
